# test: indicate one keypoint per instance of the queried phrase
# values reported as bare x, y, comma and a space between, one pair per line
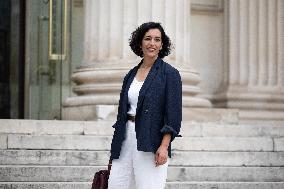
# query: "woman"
149, 114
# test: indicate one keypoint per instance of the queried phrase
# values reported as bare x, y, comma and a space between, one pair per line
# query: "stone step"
226, 174
225, 144
3, 141
169, 185
232, 130
54, 127
82, 142
180, 158
175, 174
220, 115
263, 122
203, 158
225, 185
103, 128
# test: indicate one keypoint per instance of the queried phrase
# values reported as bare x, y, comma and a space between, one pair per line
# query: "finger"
161, 158
156, 158
159, 162
162, 161
156, 155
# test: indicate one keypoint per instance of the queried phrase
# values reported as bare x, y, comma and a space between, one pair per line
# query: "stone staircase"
210, 155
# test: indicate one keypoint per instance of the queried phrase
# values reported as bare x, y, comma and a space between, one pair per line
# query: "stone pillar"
255, 57
108, 57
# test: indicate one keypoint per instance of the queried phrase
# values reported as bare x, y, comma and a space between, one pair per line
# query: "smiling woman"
146, 123
138, 35
151, 44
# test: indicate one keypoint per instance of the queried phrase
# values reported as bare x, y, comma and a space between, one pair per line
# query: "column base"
109, 112
257, 104
89, 112
98, 87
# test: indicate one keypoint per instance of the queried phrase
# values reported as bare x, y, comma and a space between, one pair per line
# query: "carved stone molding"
207, 6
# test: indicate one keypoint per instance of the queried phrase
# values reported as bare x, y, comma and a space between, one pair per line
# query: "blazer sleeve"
173, 104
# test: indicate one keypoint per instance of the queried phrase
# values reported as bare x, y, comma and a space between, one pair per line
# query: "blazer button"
146, 111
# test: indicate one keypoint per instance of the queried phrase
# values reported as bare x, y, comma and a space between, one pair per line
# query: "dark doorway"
5, 10
12, 37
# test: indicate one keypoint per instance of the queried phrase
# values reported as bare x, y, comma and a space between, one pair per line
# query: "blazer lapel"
148, 81
128, 83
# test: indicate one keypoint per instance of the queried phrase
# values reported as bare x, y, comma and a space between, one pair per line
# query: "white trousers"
136, 169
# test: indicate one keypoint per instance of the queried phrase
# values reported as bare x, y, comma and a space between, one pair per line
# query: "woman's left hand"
161, 156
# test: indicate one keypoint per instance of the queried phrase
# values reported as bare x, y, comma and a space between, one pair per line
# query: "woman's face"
151, 43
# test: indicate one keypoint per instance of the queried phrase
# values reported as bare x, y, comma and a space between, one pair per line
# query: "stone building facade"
229, 53
59, 58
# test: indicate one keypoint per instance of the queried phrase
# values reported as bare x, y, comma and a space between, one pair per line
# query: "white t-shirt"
133, 94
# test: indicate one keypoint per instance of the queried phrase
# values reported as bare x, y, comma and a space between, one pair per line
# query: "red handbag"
100, 180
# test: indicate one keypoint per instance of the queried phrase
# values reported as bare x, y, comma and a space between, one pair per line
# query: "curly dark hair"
136, 38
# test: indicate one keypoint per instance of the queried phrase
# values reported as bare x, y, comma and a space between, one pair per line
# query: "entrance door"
47, 69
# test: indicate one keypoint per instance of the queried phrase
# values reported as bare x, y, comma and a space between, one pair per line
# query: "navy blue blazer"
159, 108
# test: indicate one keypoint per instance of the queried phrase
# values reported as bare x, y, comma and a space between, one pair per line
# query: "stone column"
255, 57
108, 57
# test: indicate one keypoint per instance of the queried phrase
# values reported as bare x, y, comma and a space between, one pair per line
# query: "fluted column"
108, 57
255, 44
